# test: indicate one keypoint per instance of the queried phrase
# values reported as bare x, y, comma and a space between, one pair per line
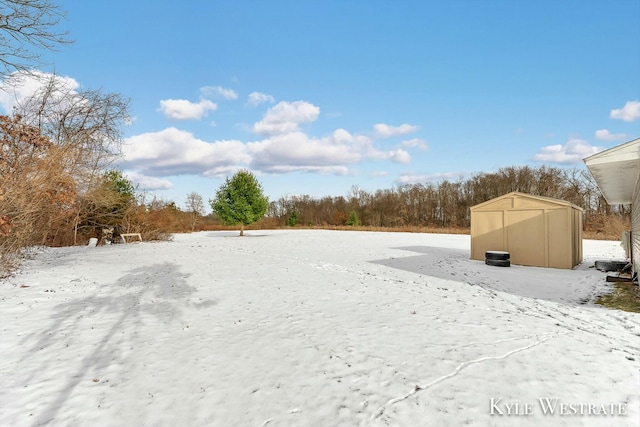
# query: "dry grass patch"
624, 296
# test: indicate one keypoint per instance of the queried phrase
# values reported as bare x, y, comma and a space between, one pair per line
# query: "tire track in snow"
457, 370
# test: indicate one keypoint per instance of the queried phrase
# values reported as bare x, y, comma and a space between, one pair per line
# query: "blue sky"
318, 96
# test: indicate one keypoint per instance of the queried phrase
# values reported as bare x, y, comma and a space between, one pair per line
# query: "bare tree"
87, 125
26, 28
195, 208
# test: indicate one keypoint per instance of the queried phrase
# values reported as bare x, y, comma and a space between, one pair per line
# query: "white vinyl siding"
635, 226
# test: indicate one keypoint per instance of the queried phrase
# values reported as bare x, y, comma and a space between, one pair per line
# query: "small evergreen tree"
106, 205
293, 219
353, 219
120, 184
240, 200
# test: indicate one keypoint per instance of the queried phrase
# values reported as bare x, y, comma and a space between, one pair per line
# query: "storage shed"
536, 231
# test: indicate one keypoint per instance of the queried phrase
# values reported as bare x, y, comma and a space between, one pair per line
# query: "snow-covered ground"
311, 328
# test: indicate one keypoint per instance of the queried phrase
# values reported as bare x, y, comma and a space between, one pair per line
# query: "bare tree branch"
87, 125
28, 27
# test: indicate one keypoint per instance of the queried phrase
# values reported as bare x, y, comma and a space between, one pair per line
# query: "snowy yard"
312, 328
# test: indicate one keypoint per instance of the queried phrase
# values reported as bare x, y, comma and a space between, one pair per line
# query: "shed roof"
616, 171
528, 196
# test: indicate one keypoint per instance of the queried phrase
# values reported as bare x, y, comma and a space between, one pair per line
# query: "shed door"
526, 237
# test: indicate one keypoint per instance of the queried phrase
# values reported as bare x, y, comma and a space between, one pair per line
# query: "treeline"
446, 204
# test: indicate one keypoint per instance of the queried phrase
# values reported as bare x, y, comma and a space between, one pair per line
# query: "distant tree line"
446, 204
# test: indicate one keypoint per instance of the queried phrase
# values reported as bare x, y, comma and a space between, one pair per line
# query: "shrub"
292, 221
353, 219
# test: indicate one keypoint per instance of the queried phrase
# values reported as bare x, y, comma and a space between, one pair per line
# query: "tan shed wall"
525, 241
489, 231
534, 232
503, 204
560, 238
524, 203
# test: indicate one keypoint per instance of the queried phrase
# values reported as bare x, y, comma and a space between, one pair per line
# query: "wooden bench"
125, 235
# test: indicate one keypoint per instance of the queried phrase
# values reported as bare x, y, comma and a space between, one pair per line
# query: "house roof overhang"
616, 171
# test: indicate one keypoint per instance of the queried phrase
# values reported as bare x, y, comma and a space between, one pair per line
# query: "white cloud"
181, 109
218, 92
283, 147
176, 152
222, 172
257, 98
20, 86
298, 151
379, 173
399, 156
396, 156
628, 113
285, 117
148, 183
415, 143
411, 178
385, 131
605, 135
342, 136
572, 152
322, 170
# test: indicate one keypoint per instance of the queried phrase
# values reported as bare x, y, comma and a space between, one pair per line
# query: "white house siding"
635, 226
